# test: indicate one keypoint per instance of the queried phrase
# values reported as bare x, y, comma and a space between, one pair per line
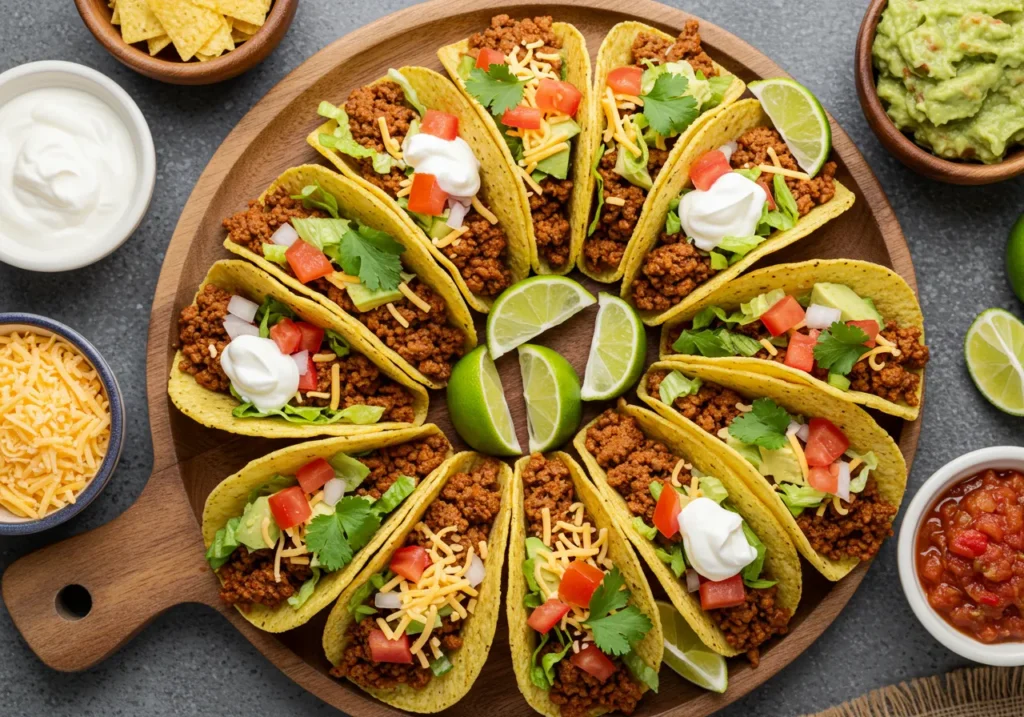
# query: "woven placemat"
971, 692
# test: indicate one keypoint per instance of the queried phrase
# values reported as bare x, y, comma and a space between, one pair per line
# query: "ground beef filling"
752, 150
750, 625
247, 579
363, 384
712, 408
859, 534
253, 227
670, 272
416, 459
506, 34
686, 47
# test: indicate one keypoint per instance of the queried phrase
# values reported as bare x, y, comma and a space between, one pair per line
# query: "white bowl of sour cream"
77, 166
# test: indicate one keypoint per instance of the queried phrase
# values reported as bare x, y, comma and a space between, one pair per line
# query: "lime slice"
530, 308
617, 350
690, 658
1015, 258
476, 404
994, 350
551, 388
799, 118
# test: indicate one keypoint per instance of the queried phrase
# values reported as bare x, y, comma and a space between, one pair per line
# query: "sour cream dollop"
452, 161
730, 208
259, 372
714, 539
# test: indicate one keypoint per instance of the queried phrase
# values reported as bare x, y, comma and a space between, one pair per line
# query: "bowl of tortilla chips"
188, 42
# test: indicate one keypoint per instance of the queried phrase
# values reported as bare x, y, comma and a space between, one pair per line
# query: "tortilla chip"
115, 18
246, 27
238, 37
250, 11
188, 25
138, 21
219, 43
156, 44
228, 499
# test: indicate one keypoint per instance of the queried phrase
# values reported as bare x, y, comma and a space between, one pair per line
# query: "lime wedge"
476, 404
994, 350
530, 308
1015, 258
690, 658
551, 388
799, 118
617, 350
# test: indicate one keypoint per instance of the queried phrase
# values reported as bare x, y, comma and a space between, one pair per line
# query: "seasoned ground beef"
480, 255
895, 382
363, 106
363, 384
200, 327
603, 250
752, 150
550, 211
687, 47
546, 484
579, 694
416, 459
506, 34
859, 534
712, 408
670, 272
248, 579
253, 227
753, 623
358, 665
470, 502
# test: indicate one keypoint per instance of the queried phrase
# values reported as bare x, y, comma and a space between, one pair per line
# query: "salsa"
970, 556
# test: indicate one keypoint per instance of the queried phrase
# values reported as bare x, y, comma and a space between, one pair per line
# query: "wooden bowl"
903, 147
166, 66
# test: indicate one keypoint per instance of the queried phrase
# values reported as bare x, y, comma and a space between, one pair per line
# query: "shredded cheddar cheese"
325, 357
414, 298
450, 237
793, 174
615, 201
397, 315
335, 386
837, 503
774, 157
772, 351
799, 452
484, 211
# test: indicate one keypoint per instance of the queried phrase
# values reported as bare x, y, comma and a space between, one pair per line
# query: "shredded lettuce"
713, 488
299, 599
673, 558
361, 595
858, 483
319, 416
542, 673
401, 489
752, 572
719, 262
634, 169
314, 196
342, 140
676, 385
225, 542
599, 189
350, 471
739, 247
640, 670
275, 253
799, 497
274, 485
716, 343
337, 343
320, 232
648, 531
718, 85
269, 313
673, 225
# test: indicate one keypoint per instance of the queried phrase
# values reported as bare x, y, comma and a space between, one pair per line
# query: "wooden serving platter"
132, 578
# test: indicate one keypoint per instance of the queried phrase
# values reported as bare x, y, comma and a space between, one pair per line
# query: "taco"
723, 559
529, 81
415, 143
830, 475
256, 360
681, 88
567, 561
327, 238
735, 195
284, 540
415, 627
852, 328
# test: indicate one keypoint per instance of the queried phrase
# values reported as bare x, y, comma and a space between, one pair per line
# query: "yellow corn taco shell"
616, 51
522, 638
213, 409
809, 401
354, 202
781, 561
499, 188
893, 298
479, 627
576, 60
726, 126
228, 499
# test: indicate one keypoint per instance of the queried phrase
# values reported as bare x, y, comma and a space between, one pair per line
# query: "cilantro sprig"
765, 425
373, 256
335, 538
667, 110
839, 347
496, 88
615, 632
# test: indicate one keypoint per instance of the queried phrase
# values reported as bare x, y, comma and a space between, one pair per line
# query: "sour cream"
730, 208
714, 539
452, 161
67, 172
259, 372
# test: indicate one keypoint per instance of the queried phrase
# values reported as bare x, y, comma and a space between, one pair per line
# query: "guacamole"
951, 72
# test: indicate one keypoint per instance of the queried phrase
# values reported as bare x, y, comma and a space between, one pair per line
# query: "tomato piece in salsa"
970, 556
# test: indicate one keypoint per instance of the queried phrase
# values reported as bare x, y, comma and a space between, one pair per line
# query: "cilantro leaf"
269, 313
373, 256
665, 107
764, 426
334, 538
358, 519
839, 347
497, 88
614, 634
609, 595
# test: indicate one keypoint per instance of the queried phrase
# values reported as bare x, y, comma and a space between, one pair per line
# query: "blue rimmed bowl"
11, 524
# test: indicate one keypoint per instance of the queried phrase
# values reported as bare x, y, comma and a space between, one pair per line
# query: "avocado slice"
365, 299
250, 528
534, 546
842, 297
782, 464
557, 165
439, 228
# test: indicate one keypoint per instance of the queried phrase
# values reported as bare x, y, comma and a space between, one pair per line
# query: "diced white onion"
792, 428
728, 148
475, 574
285, 235
457, 213
334, 489
387, 601
243, 308
301, 360
692, 580
843, 489
821, 317
237, 327
804, 433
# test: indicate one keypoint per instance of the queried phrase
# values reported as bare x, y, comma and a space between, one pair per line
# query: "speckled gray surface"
190, 661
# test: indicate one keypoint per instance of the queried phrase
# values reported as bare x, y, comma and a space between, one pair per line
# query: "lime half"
994, 350
531, 307
1015, 258
476, 404
799, 118
617, 350
690, 658
551, 388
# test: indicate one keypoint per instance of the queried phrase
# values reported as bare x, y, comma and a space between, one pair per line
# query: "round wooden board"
189, 459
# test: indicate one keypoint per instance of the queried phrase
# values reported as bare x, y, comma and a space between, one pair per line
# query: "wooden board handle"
132, 569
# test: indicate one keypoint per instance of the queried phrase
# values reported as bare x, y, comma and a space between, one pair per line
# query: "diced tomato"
286, 335
592, 661
666, 513
410, 562
800, 351
309, 381
312, 337
772, 206
314, 474
868, 326
546, 616
784, 315
290, 507
723, 593
426, 196
708, 168
625, 80
579, 581
488, 57
440, 124
307, 262
558, 96
825, 443
384, 650
522, 117
969, 543
824, 479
